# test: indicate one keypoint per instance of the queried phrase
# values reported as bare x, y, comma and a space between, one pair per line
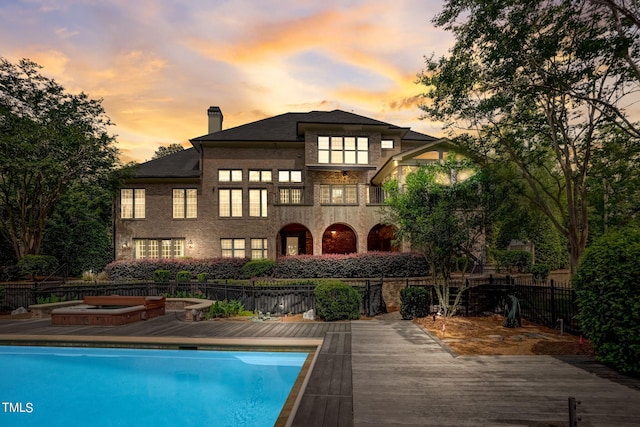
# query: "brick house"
297, 183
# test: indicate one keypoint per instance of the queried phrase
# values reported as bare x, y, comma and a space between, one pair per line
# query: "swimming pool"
66, 386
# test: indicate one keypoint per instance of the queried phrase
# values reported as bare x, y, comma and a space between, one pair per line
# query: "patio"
391, 372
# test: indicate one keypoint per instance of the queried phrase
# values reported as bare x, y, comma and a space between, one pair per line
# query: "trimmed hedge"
183, 276
336, 300
372, 264
258, 268
607, 289
414, 303
216, 268
161, 276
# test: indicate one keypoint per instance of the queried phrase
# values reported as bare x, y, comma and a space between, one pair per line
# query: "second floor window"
229, 175
258, 202
290, 176
230, 202
290, 196
132, 203
259, 176
338, 194
343, 150
185, 203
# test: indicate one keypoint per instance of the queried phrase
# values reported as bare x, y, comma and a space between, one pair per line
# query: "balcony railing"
376, 195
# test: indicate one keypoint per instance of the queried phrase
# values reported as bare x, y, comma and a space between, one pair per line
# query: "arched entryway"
381, 238
339, 239
294, 239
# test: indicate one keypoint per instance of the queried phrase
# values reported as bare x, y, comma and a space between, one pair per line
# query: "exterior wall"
208, 228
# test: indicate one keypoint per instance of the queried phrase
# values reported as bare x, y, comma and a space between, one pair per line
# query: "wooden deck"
327, 400
391, 372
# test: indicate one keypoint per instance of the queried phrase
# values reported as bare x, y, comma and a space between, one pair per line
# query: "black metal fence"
276, 297
551, 304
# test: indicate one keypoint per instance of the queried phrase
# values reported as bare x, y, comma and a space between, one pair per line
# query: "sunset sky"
159, 65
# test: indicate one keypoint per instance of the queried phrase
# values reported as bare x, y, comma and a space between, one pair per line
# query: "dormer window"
350, 150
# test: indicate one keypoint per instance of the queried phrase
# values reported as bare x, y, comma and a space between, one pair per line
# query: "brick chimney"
215, 119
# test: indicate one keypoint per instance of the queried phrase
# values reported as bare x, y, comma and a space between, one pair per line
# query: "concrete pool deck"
390, 372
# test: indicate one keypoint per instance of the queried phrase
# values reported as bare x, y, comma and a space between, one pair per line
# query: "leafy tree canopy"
534, 83
49, 139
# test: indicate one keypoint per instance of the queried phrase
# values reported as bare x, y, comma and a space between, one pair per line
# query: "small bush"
183, 276
161, 276
38, 265
225, 309
608, 297
540, 272
258, 268
51, 299
336, 300
202, 277
414, 302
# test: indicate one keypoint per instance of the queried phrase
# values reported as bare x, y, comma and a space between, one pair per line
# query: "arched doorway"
294, 239
339, 239
381, 238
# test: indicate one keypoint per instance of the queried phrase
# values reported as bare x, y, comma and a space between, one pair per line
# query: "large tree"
49, 140
442, 216
533, 83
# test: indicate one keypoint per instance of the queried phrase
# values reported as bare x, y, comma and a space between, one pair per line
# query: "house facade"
297, 183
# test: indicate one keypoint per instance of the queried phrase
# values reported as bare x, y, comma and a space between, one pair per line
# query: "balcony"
376, 195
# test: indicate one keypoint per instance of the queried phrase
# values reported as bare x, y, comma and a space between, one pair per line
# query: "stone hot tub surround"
110, 310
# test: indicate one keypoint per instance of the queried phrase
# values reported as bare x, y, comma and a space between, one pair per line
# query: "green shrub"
336, 300
202, 277
183, 276
540, 272
414, 302
607, 289
51, 299
38, 265
258, 268
225, 309
512, 261
161, 276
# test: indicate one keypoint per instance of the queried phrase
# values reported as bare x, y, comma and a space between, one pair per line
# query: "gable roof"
287, 127
181, 164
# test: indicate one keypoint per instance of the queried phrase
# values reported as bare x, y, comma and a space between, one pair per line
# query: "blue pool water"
64, 386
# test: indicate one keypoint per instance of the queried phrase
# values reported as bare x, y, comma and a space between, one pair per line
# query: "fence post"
553, 302
34, 293
368, 292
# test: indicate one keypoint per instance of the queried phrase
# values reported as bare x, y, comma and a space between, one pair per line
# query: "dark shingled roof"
282, 128
285, 127
182, 164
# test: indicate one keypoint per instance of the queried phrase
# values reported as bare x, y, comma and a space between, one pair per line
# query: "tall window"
132, 203
343, 150
259, 248
230, 202
259, 176
258, 202
290, 196
232, 248
229, 175
290, 176
185, 203
339, 194
158, 248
